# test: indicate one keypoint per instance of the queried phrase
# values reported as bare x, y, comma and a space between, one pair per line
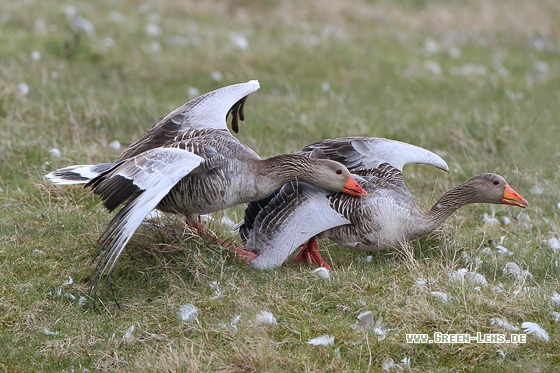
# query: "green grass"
84, 94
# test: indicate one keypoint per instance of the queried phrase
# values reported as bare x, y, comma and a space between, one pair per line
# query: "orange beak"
353, 188
511, 197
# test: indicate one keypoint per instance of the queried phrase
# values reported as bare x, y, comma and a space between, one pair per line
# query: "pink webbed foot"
310, 254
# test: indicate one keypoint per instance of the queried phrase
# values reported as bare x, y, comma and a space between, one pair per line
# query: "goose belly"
383, 225
202, 194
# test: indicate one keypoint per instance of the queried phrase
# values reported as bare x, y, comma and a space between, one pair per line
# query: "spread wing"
208, 111
140, 182
296, 213
370, 152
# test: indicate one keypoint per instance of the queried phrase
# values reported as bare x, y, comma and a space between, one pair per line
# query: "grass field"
476, 81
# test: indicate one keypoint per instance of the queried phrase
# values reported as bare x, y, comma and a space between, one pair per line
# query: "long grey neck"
463, 194
278, 170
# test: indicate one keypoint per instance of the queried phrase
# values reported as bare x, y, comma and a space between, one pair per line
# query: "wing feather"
208, 111
153, 173
289, 220
370, 152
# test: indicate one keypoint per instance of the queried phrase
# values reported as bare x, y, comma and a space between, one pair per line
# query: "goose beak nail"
511, 197
353, 188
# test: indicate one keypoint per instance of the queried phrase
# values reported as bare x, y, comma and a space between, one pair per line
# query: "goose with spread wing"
189, 163
274, 227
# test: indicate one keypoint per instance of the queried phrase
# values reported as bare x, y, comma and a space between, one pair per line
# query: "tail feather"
78, 174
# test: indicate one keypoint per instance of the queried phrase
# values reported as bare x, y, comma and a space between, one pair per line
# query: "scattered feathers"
324, 340
554, 244
524, 220
502, 322
555, 299
388, 364
364, 321
490, 220
128, 335
512, 268
498, 246
440, 295
265, 318
49, 332
215, 285
234, 321
322, 272
187, 312
463, 274
535, 330
379, 329
55, 152
68, 282
115, 145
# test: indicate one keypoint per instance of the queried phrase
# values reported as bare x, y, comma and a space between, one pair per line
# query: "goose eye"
338, 171
496, 182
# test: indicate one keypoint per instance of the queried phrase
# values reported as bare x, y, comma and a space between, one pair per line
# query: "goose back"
208, 111
275, 222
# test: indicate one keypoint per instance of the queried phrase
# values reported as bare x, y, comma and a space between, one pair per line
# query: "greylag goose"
189, 163
274, 227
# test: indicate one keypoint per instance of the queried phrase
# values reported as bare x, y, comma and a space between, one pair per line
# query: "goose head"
332, 175
493, 188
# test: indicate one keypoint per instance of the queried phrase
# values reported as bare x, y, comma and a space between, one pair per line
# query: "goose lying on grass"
189, 163
274, 227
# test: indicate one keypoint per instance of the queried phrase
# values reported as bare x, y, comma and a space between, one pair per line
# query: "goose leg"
242, 254
310, 254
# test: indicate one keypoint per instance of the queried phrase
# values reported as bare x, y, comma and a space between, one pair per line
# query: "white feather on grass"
555, 299
215, 285
322, 272
511, 268
49, 332
388, 364
380, 329
364, 321
440, 295
469, 259
458, 275
406, 362
234, 321
187, 312
502, 250
128, 335
475, 278
463, 274
265, 318
68, 282
535, 330
555, 316
524, 220
554, 244
490, 220
324, 340
502, 321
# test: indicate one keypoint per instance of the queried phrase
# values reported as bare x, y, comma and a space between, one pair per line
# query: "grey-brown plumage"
390, 216
276, 226
189, 163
